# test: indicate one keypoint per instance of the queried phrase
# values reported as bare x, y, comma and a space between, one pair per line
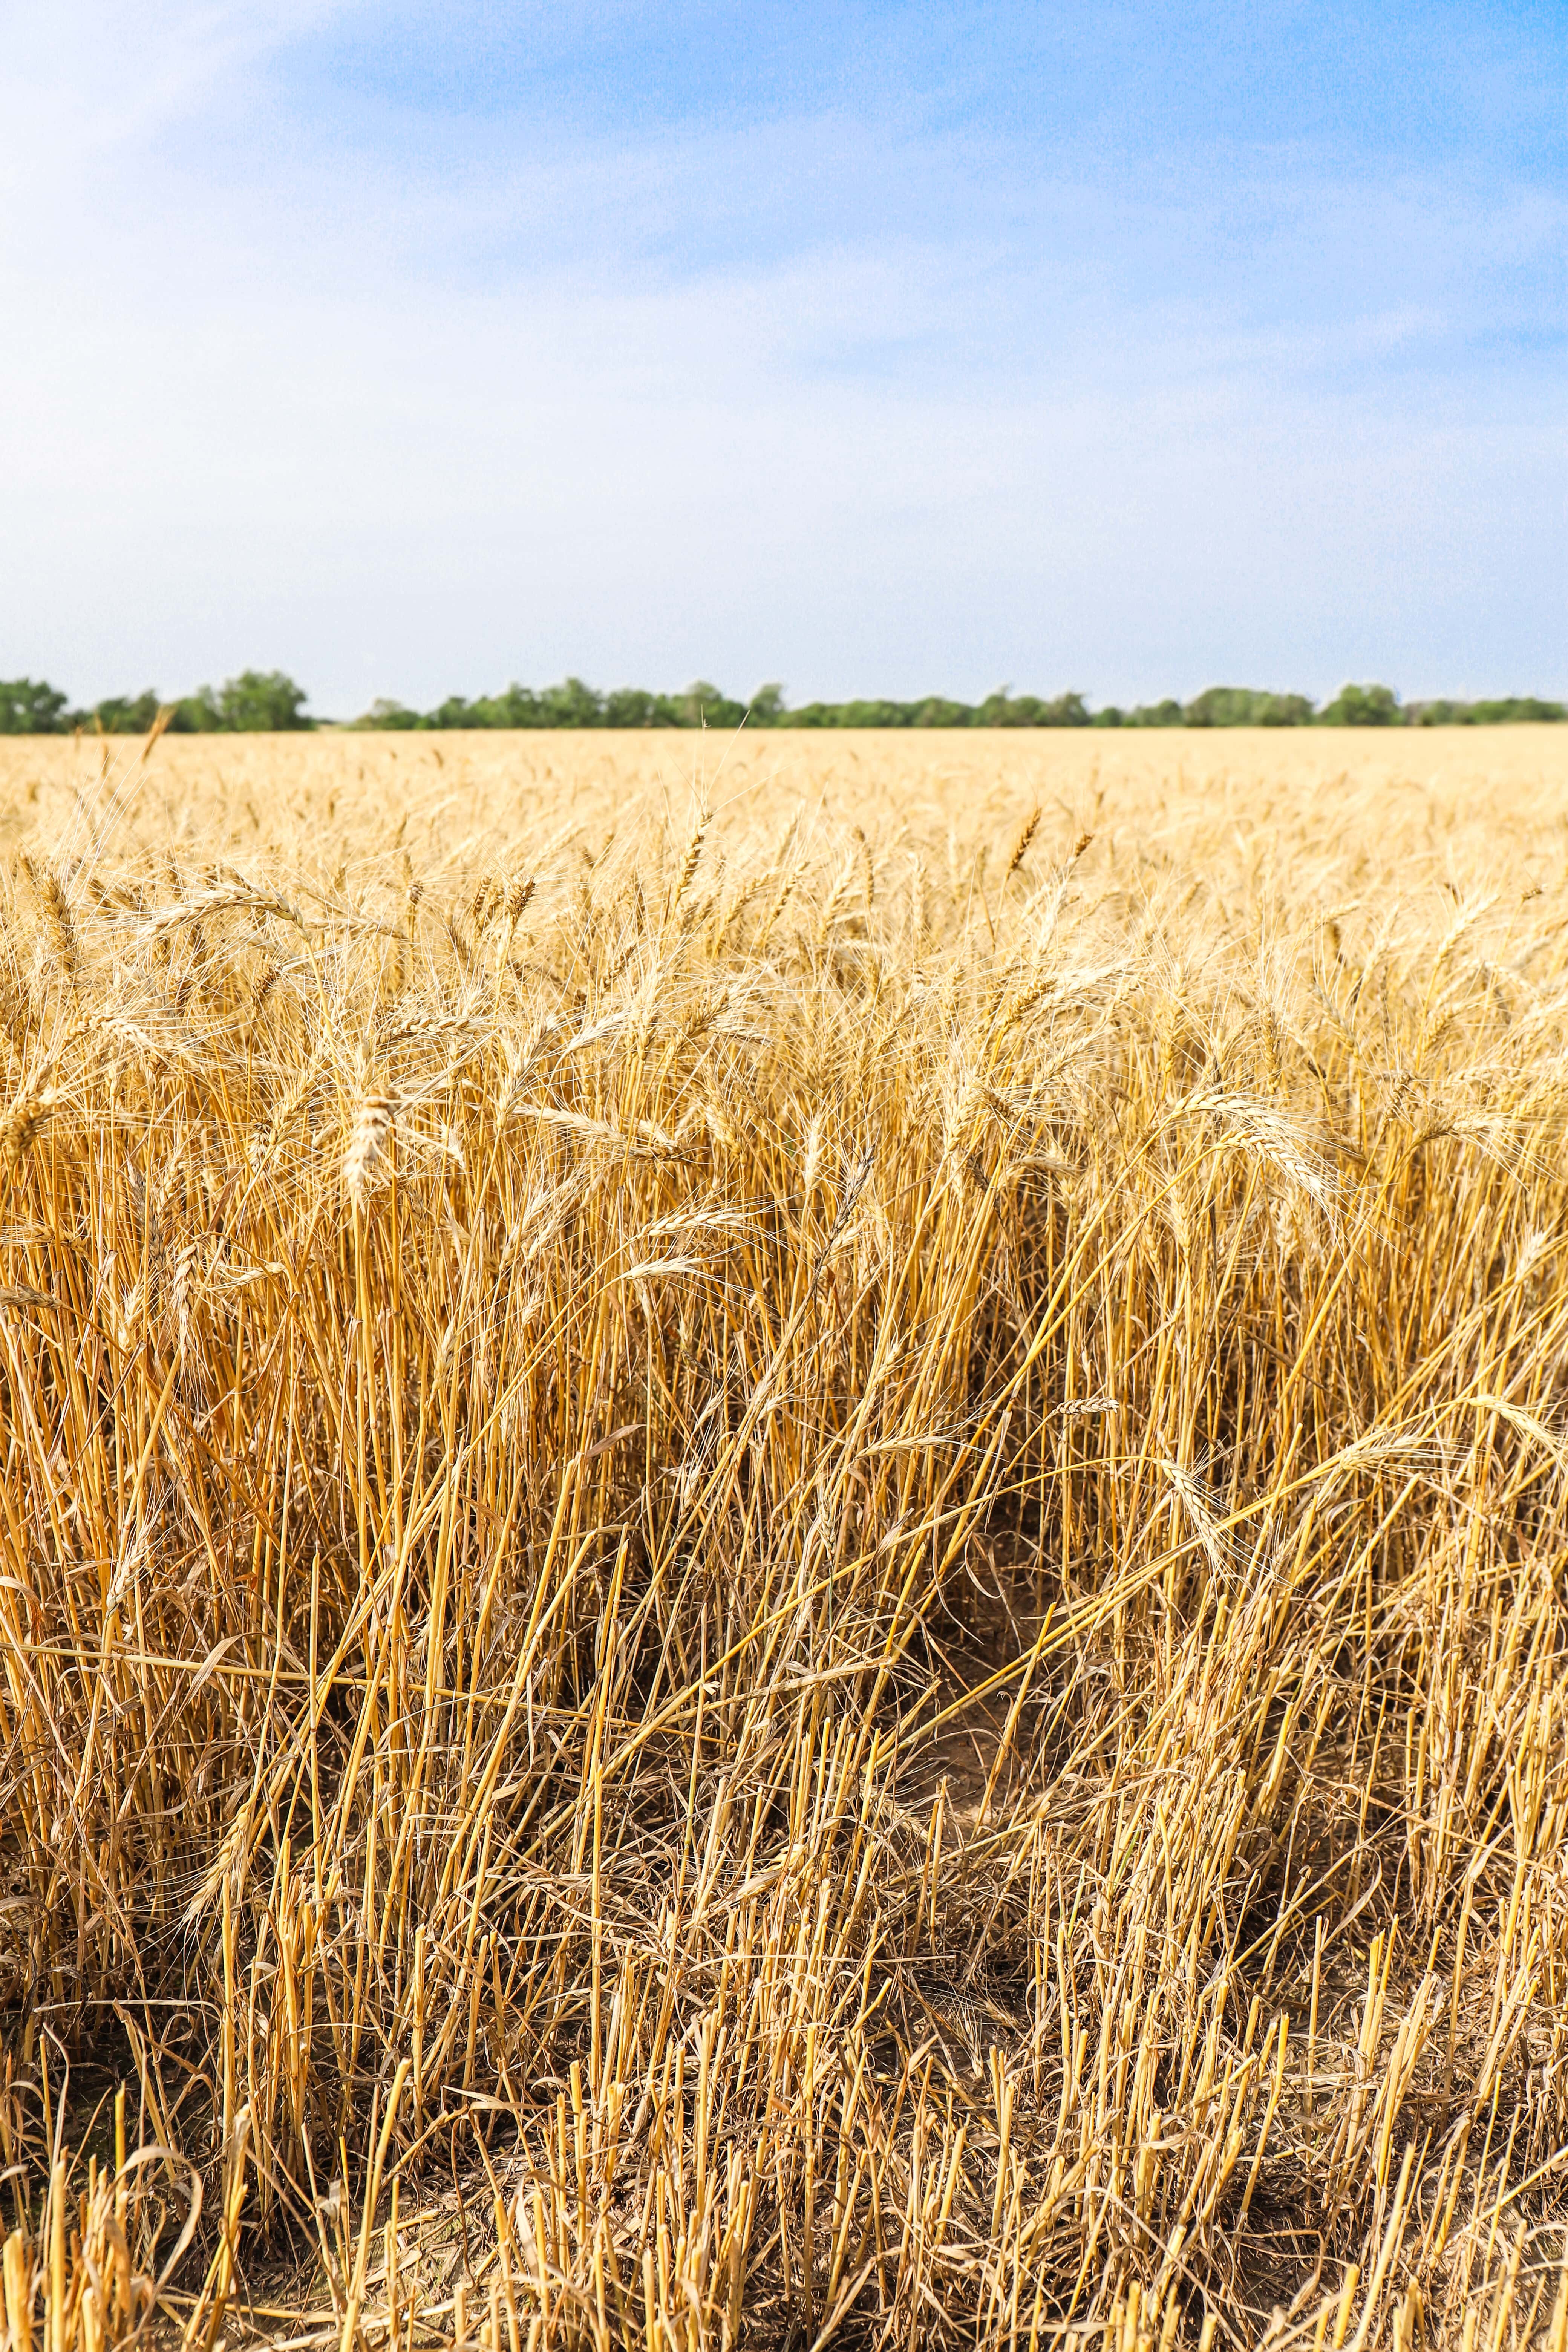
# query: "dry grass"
788, 1580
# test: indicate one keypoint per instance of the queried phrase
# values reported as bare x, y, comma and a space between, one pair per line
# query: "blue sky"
872, 348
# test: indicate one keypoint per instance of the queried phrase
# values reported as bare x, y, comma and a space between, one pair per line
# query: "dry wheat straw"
884, 1662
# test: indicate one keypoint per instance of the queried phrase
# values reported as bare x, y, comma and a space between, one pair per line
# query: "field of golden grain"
781, 1541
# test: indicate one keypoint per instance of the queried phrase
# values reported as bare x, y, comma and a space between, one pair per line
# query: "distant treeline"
267, 701
576, 704
256, 702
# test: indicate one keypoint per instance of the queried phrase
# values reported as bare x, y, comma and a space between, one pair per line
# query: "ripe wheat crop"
783, 1564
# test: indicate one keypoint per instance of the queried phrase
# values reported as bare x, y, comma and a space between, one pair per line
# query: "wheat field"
784, 1539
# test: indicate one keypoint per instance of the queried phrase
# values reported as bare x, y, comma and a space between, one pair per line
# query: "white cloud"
414, 420
84, 80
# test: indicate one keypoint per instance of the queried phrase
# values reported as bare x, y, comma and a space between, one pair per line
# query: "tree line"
256, 702
268, 701
573, 704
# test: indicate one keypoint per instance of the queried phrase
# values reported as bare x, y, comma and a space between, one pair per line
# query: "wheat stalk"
880, 1660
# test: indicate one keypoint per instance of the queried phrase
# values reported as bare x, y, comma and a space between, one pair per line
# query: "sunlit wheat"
783, 1570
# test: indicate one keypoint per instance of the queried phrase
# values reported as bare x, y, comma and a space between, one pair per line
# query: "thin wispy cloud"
415, 352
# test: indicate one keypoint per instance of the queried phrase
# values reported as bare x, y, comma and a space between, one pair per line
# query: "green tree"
392, 717
1511, 710
1287, 710
999, 709
256, 702
706, 705
28, 706
197, 714
457, 711
871, 714
633, 706
127, 714
1008, 710
938, 710
1246, 705
1362, 706
571, 704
